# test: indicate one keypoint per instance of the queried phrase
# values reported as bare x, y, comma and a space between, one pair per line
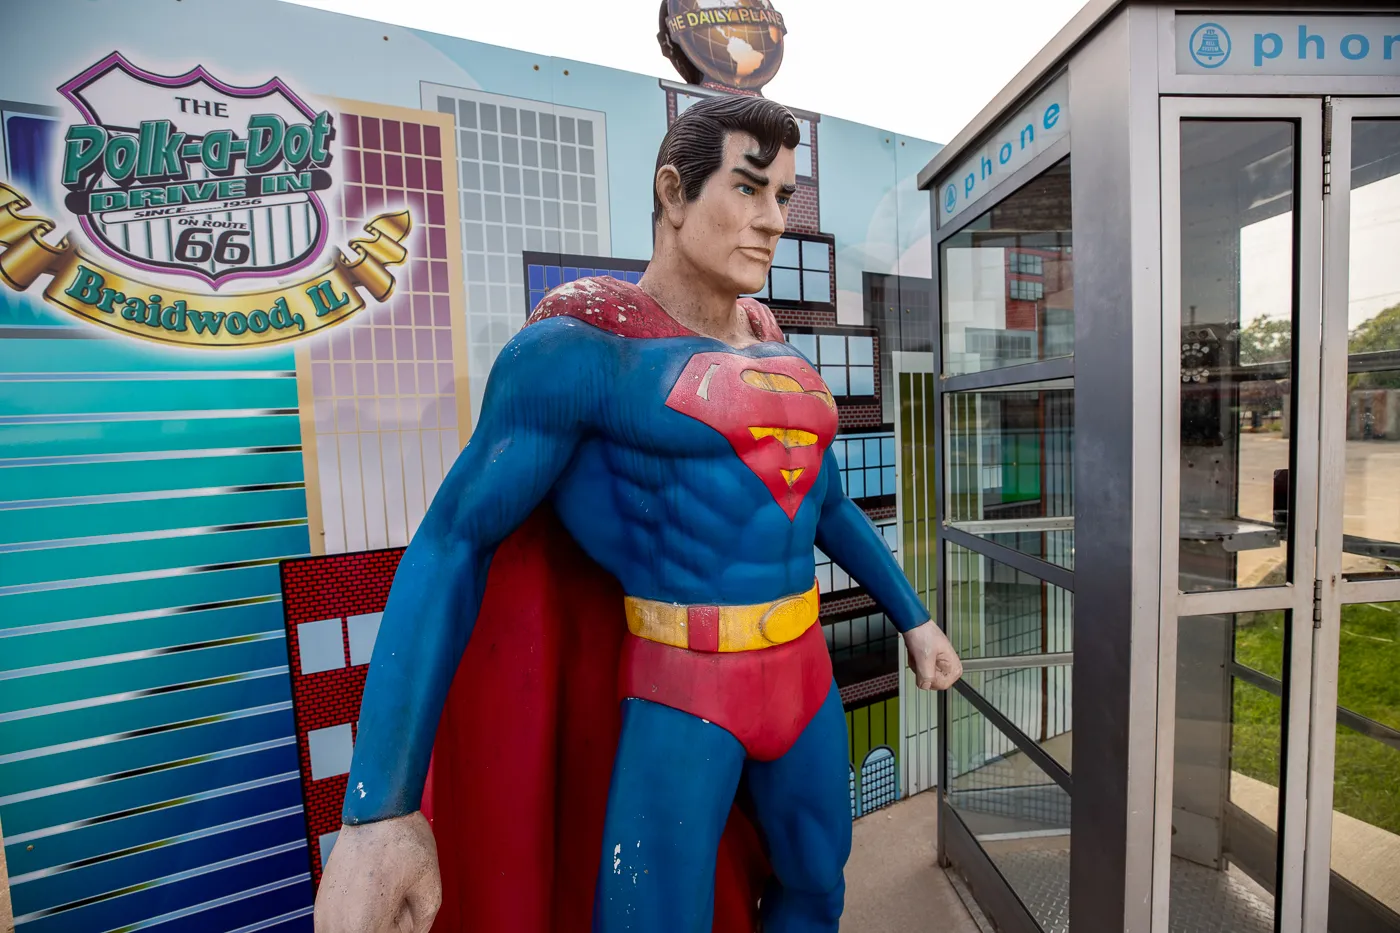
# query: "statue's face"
732, 228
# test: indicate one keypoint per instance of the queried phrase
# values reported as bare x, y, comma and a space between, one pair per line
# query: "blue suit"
577, 416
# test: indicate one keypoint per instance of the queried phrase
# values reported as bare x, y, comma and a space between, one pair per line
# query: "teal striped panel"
129, 356
23, 736
57, 646
83, 602
98, 438
90, 479
53, 398
130, 676
53, 523
86, 683
52, 564
20, 777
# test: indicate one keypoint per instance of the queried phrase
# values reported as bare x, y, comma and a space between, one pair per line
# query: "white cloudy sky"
919, 68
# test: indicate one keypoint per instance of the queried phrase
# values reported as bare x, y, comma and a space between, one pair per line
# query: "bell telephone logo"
1210, 45
191, 175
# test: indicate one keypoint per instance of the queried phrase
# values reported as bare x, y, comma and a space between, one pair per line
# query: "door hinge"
1326, 146
1317, 604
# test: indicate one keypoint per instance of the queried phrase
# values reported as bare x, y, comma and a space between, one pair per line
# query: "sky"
919, 68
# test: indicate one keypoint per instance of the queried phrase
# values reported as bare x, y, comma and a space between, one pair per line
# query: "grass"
1367, 771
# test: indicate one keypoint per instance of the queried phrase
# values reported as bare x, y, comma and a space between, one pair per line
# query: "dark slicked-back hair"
695, 142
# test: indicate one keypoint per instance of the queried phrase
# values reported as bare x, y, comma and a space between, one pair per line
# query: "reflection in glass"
1371, 522
1237, 326
1008, 280
1228, 765
994, 610
1037, 700
1010, 477
1018, 814
1366, 802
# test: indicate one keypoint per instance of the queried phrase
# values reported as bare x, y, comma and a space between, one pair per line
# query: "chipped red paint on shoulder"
625, 310
765, 326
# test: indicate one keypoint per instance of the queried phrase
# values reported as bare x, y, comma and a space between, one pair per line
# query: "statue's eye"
747, 189
784, 200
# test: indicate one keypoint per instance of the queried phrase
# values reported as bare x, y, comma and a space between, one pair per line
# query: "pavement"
893, 882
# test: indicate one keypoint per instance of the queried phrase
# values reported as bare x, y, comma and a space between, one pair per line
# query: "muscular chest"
763, 412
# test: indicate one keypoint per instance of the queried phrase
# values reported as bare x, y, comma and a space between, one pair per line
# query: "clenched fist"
382, 877
931, 657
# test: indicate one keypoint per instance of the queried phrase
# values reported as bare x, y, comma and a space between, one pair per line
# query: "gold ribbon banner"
106, 296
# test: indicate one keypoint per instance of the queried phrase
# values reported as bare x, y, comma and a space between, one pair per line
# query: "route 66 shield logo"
191, 175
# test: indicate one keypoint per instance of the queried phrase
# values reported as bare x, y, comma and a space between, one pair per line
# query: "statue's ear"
671, 193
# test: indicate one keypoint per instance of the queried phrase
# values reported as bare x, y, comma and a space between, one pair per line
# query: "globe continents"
737, 43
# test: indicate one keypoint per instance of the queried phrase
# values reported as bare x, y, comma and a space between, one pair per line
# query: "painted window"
867, 464
331, 749
801, 273
546, 271
878, 780
860, 636
533, 176
1026, 290
806, 163
832, 579
1027, 264
385, 385
846, 362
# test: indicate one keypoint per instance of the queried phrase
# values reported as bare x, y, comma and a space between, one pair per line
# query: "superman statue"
607, 620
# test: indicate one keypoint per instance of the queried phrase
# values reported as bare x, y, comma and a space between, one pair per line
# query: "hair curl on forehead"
694, 144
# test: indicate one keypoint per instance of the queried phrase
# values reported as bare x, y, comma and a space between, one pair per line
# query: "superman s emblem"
776, 412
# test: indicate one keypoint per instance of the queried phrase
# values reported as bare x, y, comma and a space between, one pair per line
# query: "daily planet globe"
736, 43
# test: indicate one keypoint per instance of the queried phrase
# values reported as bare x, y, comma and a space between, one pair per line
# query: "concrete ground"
892, 882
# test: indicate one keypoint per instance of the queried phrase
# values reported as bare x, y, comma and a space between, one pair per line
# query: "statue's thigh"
802, 801
673, 784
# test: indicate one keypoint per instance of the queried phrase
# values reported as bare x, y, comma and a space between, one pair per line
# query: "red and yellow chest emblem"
776, 413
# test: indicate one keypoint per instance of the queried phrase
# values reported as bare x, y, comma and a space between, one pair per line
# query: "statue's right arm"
539, 402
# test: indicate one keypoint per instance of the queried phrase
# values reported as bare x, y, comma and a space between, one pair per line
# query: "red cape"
525, 748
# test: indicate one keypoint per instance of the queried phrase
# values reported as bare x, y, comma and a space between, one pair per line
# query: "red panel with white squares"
332, 607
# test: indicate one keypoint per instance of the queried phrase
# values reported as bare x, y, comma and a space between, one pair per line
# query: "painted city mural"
256, 261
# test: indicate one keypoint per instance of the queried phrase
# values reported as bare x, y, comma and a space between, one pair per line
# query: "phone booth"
1166, 423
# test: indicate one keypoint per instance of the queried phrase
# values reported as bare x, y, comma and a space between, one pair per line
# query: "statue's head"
724, 176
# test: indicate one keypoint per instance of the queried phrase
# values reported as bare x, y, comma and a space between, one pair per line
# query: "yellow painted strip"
790, 437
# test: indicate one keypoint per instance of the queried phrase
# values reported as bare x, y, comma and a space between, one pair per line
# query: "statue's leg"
803, 803
673, 784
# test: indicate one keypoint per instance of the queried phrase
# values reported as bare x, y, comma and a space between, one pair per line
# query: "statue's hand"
931, 657
382, 877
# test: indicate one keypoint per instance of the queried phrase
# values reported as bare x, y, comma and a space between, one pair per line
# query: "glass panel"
1237, 323
835, 378
816, 286
1371, 520
803, 160
806, 344
786, 253
862, 380
984, 327
833, 349
1037, 700
816, 256
862, 351
1018, 814
995, 610
1366, 821
787, 284
1010, 474
1227, 770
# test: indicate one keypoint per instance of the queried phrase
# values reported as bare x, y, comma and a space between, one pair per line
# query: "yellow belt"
723, 628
